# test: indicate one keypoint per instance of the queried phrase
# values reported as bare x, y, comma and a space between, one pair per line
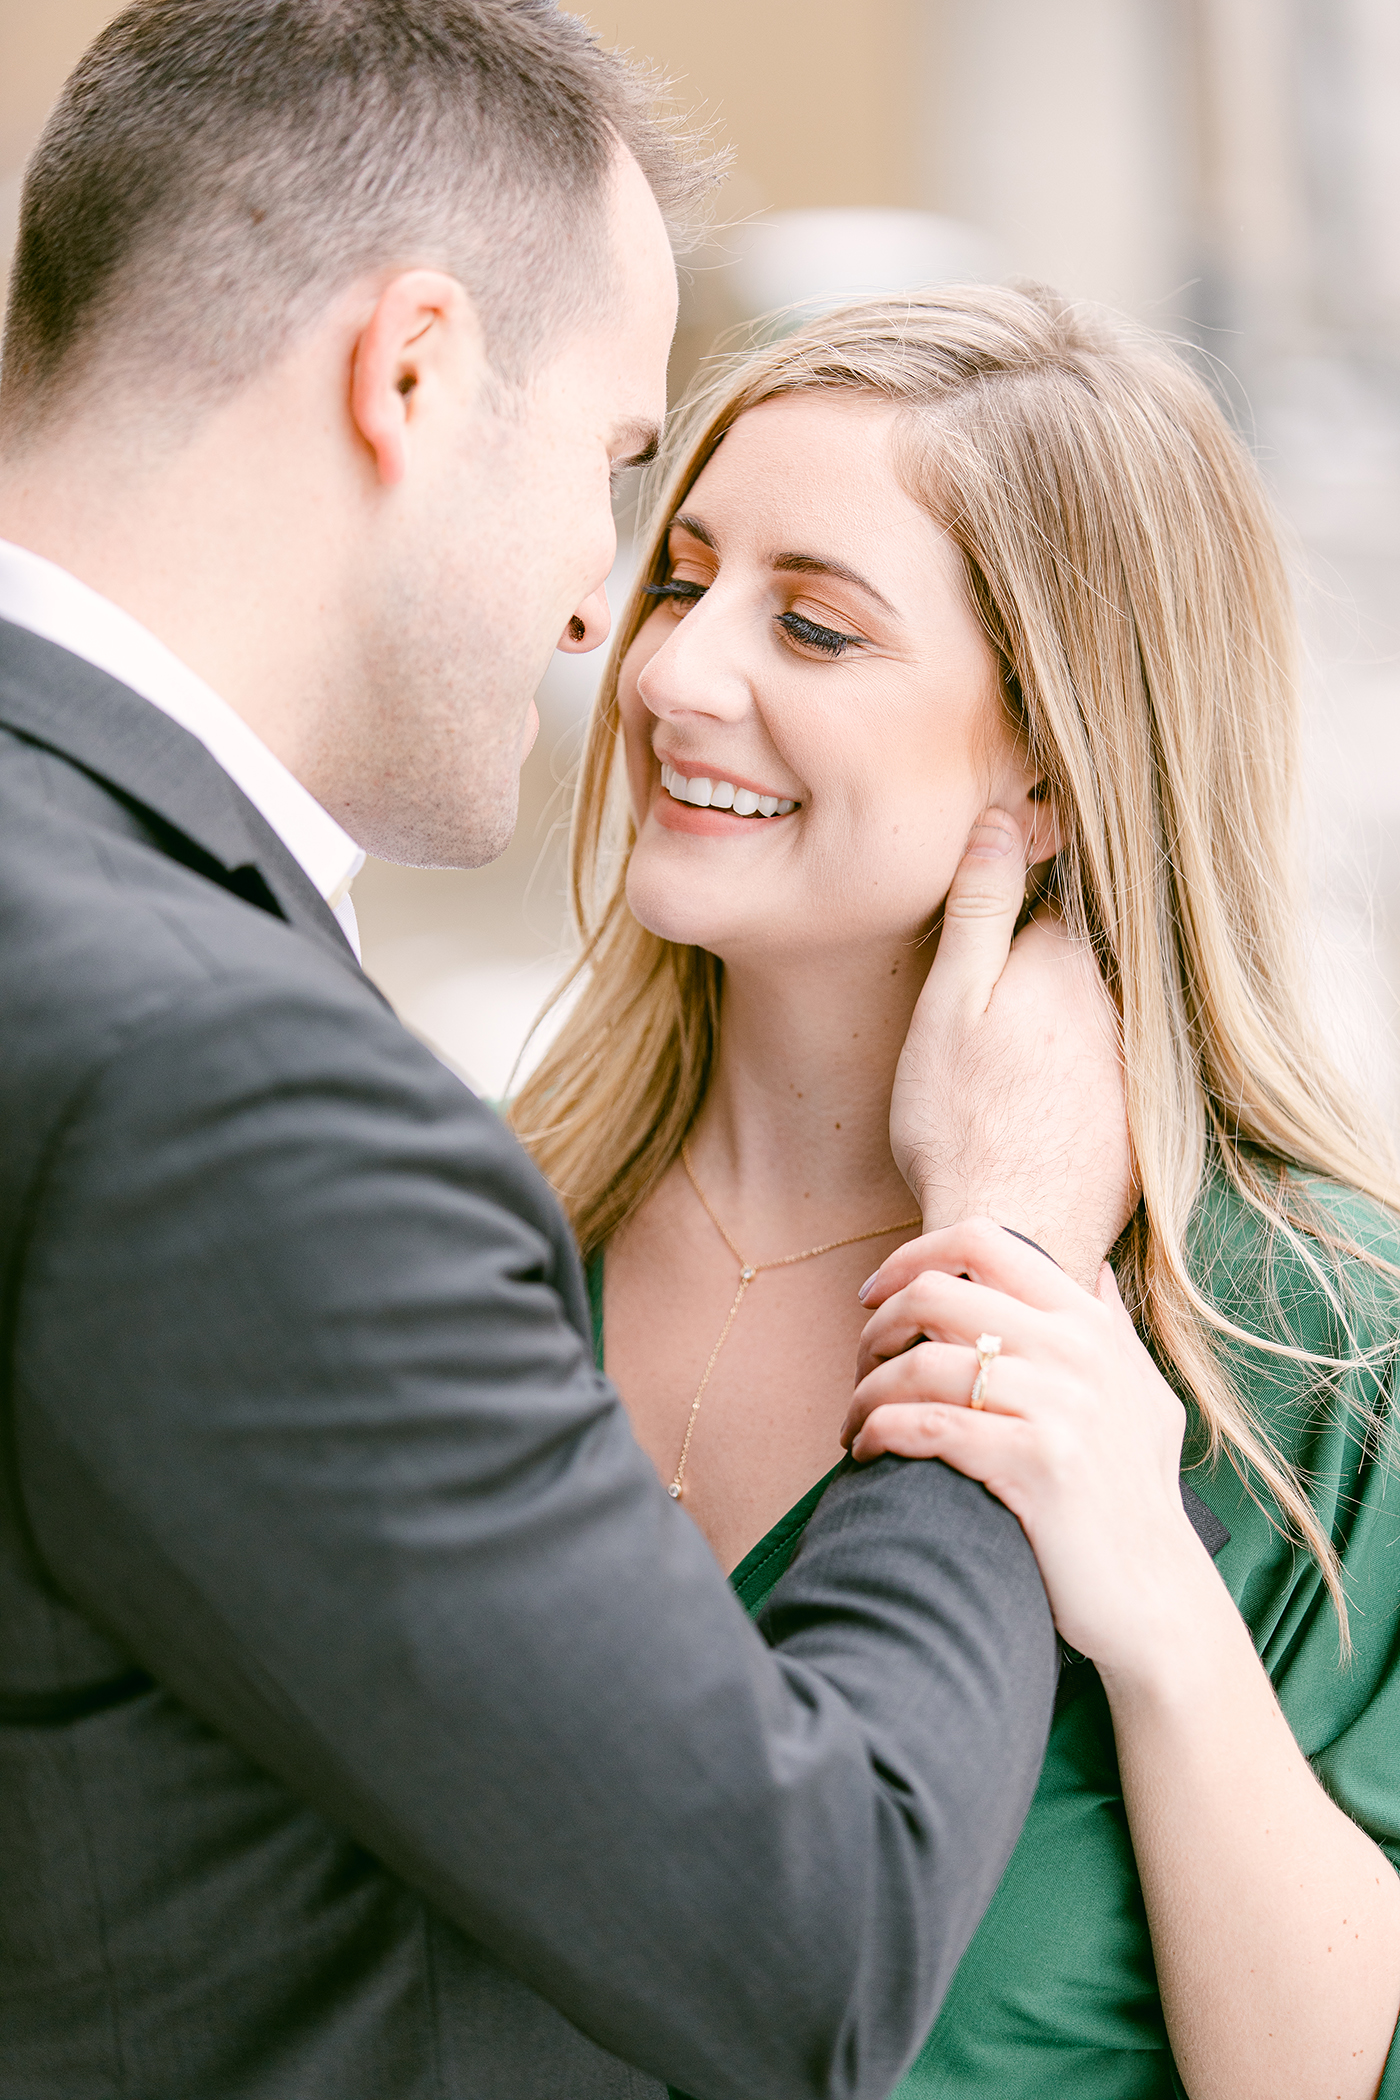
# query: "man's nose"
589, 627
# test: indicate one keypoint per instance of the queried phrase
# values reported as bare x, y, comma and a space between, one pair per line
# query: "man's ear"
421, 349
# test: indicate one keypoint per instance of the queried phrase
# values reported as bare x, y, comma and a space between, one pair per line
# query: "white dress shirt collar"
38, 595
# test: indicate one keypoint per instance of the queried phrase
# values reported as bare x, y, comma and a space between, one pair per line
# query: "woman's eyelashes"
805, 633
679, 592
829, 640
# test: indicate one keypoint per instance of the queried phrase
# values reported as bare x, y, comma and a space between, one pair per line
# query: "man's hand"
1008, 1101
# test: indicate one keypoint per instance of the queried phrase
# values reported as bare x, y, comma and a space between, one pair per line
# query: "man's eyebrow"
814, 565
645, 438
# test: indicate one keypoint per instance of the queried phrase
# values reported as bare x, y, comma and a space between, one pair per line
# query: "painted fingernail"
865, 1286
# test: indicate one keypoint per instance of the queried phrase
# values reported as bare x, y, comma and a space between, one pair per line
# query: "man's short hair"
216, 170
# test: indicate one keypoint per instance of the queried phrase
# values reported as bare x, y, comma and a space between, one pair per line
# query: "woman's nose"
589, 627
697, 669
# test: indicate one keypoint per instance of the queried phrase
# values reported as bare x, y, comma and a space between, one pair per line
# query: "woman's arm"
1275, 1920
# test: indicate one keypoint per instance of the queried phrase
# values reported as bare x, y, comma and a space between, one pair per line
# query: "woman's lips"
706, 823
715, 815
704, 792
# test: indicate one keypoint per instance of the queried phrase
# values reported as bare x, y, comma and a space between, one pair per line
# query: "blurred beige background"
1228, 170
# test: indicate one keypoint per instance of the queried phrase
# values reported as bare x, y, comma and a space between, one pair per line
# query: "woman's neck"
792, 1145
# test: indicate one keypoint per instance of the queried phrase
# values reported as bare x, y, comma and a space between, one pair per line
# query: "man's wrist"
942, 1207
1025, 1236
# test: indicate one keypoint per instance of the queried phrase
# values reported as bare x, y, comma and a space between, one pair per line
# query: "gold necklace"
747, 1272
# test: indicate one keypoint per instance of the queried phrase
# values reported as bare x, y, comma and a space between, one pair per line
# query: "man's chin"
488, 831
446, 836
532, 730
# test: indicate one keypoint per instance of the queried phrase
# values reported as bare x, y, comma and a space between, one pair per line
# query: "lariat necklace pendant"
748, 1271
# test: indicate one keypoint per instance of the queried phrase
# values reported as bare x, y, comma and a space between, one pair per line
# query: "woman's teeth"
722, 794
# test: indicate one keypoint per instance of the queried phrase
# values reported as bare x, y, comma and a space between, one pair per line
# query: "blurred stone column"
1297, 195
1249, 203
1061, 129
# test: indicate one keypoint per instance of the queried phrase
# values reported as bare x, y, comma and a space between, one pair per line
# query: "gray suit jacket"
371, 1724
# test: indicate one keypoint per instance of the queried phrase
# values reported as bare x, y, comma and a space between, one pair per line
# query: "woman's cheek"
637, 724
916, 849
637, 749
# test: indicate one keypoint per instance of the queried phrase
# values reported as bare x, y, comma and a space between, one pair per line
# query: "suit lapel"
60, 701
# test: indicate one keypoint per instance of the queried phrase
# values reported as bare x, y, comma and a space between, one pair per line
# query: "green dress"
1057, 1992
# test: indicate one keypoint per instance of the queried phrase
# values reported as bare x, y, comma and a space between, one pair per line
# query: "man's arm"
301, 1422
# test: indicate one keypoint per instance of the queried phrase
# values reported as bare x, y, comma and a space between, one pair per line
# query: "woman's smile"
702, 792
709, 805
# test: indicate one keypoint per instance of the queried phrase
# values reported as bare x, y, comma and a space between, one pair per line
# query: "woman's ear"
1028, 796
1041, 818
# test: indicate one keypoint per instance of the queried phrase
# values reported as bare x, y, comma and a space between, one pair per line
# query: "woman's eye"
680, 594
829, 640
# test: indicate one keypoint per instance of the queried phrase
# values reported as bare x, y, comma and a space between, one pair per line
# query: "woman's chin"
673, 912
745, 923
694, 904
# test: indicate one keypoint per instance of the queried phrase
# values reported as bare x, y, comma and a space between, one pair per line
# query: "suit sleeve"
302, 1419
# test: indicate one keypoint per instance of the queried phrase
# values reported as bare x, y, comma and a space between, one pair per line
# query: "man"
370, 1722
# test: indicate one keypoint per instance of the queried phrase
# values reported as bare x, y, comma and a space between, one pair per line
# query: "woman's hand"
1079, 1434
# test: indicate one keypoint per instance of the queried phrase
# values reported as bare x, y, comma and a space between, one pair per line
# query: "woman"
920, 561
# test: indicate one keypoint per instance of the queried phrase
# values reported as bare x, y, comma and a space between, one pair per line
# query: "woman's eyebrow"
814, 565
790, 564
684, 521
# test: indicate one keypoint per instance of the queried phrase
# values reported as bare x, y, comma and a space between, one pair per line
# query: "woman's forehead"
809, 430
816, 472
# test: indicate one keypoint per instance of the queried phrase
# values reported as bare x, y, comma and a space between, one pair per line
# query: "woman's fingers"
908, 1428
989, 1448
979, 1249
1107, 1292
930, 1371
945, 1373
946, 1308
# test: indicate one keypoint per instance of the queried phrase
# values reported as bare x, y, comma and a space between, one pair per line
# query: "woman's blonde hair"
1125, 562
